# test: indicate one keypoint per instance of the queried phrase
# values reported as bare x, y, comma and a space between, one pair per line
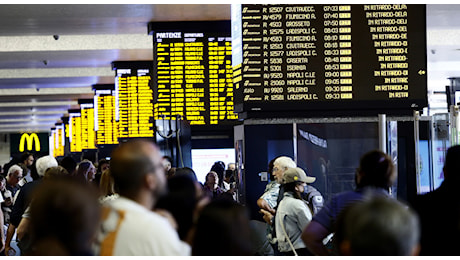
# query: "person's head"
228, 175
222, 229
186, 171
451, 167
86, 170
43, 163
190, 173
64, 217
137, 169
27, 159
171, 172
212, 178
55, 173
69, 164
219, 168
14, 175
106, 185
376, 169
167, 163
280, 165
378, 226
181, 201
295, 180
231, 166
103, 165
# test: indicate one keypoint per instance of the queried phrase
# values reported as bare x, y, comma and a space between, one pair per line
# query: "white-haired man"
24, 196
273, 195
12, 179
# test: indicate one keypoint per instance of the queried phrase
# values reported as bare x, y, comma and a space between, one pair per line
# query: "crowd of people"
138, 203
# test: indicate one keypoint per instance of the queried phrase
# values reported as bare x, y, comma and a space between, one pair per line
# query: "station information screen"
105, 125
75, 130
193, 71
291, 58
88, 135
134, 99
58, 143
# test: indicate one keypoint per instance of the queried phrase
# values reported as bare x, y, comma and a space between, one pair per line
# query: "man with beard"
129, 226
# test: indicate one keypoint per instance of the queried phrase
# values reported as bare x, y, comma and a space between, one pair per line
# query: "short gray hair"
285, 162
14, 169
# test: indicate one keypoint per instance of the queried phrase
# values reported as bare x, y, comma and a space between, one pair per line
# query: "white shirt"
131, 229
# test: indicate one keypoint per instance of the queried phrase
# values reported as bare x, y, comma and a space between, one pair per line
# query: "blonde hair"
106, 184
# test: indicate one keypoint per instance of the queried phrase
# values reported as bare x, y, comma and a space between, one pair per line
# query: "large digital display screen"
193, 71
105, 124
88, 135
75, 136
299, 59
134, 99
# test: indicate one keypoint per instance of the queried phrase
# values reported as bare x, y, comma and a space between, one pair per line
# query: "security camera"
56, 37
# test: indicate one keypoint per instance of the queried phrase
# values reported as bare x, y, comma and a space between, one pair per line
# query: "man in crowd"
129, 226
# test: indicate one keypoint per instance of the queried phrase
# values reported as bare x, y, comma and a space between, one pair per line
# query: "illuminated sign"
29, 140
193, 71
308, 59
88, 135
134, 99
75, 137
105, 124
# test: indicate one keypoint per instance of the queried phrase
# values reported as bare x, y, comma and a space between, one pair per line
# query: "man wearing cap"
293, 214
271, 197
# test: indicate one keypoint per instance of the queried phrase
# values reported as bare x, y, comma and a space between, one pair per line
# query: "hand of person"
268, 216
263, 204
9, 251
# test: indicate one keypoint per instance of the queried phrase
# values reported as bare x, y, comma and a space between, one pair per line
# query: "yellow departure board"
75, 137
58, 142
193, 71
298, 58
88, 135
105, 124
134, 97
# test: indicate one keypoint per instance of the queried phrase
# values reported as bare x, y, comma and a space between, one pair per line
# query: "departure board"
348, 59
88, 135
75, 137
193, 71
105, 124
58, 140
134, 99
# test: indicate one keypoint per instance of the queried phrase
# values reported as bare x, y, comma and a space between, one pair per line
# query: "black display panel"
134, 99
294, 60
193, 71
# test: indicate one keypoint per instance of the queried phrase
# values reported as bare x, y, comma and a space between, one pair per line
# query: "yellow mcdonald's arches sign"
29, 139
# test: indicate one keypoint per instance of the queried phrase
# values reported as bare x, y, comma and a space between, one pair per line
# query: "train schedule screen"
75, 135
88, 135
105, 124
329, 57
194, 72
135, 100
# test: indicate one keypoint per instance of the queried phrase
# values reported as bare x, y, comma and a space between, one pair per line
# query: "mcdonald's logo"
29, 139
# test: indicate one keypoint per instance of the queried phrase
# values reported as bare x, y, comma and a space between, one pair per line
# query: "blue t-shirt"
329, 213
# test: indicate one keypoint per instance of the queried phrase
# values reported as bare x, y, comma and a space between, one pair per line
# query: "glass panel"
439, 145
331, 152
